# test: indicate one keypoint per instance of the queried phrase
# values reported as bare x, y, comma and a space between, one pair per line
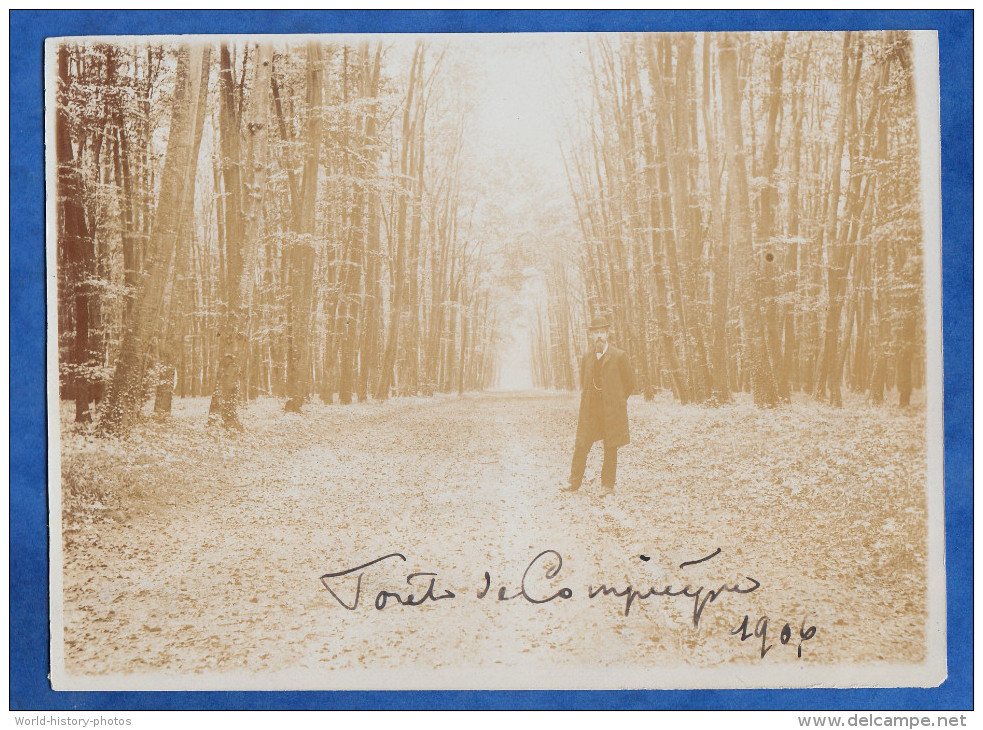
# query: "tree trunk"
77, 243
244, 177
301, 255
762, 379
772, 259
126, 394
720, 250
398, 264
839, 252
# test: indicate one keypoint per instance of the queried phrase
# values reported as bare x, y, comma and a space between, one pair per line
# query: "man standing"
606, 381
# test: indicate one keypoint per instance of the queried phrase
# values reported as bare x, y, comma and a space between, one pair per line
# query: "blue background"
29, 687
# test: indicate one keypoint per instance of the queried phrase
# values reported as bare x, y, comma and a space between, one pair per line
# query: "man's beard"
599, 345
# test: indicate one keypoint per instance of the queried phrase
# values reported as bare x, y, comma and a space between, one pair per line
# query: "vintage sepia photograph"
495, 361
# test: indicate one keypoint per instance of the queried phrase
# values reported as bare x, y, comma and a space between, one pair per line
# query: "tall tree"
76, 240
771, 258
302, 252
126, 393
839, 252
719, 243
371, 306
739, 229
407, 177
244, 177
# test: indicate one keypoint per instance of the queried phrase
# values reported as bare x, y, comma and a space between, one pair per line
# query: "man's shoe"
606, 491
570, 488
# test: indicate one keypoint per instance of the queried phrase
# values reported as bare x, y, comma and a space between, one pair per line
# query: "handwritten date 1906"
760, 631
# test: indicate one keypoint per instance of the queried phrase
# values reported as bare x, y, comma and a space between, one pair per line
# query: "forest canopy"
297, 220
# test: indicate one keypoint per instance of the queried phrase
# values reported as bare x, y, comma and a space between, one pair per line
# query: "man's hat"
600, 322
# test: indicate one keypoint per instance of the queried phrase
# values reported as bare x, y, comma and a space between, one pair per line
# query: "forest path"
225, 577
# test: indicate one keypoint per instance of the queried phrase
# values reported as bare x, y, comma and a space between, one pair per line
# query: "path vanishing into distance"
191, 552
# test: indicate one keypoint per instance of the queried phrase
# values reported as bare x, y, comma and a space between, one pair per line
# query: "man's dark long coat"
609, 421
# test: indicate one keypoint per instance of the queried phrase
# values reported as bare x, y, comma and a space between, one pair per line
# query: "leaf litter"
188, 551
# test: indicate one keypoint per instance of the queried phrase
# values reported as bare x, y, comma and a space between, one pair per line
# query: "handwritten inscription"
382, 598
786, 636
549, 563
541, 583
701, 595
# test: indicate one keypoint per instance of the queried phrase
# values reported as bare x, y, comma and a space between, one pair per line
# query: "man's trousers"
580, 450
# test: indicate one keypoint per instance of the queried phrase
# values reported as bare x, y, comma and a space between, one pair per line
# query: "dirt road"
187, 553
